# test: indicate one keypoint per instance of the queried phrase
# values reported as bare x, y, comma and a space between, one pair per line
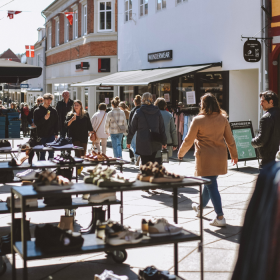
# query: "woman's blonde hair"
147, 98
82, 112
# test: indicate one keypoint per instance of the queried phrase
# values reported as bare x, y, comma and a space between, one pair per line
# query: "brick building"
83, 51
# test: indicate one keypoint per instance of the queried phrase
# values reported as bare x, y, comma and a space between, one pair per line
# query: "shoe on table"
161, 227
99, 198
218, 223
108, 274
196, 208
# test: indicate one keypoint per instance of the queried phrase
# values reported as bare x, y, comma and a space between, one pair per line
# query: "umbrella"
15, 72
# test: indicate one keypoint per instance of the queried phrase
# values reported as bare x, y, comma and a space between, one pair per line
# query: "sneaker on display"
63, 143
161, 227
19, 175
32, 202
5, 145
30, 175
98, 198
54, 142
108, 274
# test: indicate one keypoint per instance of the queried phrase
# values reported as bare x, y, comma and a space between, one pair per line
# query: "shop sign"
82, 66
24, 85
252, 51
190, 95
107, 100
105, 88
164, 55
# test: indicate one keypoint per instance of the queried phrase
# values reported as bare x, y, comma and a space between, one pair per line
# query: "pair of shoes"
196, 208
108, 274
160, 227
31, 202
102, 197
116, 234
29, 174
61, 143
218, 223
5, 145
152, 273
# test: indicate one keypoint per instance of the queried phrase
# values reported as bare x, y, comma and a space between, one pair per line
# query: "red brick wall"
102, 48
53, 33
116, 16
61, 29
90, 16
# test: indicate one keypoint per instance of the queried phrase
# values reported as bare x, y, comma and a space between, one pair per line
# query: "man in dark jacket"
268, 138
63, 107
46, 120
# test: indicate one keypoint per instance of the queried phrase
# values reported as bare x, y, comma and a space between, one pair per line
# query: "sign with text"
164, 55
190, 95
24, 86
243, 135
252, 51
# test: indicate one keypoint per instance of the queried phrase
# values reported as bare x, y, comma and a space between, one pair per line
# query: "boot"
97, 215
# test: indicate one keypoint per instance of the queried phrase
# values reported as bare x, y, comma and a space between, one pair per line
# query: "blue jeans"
117, 144
133, 145
45, 140
211, 192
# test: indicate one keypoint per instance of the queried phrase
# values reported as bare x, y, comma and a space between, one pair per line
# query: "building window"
181, 1
66, 30
84, 15
75, 24
105, 16
57, 33
50, 37
161, 4
104, 65
143, 7
128, 10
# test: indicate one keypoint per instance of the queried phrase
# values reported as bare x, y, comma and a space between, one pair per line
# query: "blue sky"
22, 29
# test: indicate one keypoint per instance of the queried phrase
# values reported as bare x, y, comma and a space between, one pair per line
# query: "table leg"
109, 212
121, 208
121, 168
201, 235
14, 276
175, 214
23, 238
76, 174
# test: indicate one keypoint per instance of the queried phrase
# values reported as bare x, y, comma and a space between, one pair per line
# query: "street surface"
220, 244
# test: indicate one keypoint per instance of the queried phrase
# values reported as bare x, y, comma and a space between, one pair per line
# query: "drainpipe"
44, 62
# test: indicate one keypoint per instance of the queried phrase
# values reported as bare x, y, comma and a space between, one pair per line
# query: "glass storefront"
104, 97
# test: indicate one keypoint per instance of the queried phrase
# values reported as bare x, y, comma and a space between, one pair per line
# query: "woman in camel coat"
210, 132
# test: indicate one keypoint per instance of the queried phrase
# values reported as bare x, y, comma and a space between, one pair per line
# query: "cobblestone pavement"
220, 244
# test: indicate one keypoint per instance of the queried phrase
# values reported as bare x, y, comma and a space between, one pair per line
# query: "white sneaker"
195, 207
31, 175
98, 198
218, 223
127, 236
161, 227
32, 202
108, 274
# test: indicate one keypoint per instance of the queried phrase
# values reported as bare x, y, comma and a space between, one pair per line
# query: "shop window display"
104, 97
186, 84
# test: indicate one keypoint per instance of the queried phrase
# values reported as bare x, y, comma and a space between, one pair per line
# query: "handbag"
154, 136
93, 136
122, 128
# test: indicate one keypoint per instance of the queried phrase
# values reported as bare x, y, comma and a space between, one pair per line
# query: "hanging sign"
164, 55
252, 51
167, 97
190, 97
107, 100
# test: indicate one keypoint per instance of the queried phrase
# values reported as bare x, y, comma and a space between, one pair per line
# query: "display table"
28, 251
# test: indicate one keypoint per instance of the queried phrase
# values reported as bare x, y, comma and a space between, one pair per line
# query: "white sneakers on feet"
218, 223
195, 207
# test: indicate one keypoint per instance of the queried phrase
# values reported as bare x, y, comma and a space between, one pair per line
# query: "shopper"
46, 121
268, 138
170, 129
148, 123
210, 132
63, 107
116, 126
137, 104
98, 121
24, 119
124, 108
30, 119
79, 125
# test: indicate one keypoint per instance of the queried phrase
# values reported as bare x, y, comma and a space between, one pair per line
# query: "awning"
142, 77
15, 72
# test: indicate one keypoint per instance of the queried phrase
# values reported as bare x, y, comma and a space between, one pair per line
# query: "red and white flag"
12, 13
69, 16
29, 51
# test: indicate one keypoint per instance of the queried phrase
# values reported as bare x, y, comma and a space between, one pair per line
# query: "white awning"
141, 77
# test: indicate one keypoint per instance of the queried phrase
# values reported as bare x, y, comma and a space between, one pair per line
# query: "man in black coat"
268, 138
46, 120
63, 107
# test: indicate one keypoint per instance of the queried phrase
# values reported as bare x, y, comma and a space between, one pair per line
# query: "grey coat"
170, 131
145, 118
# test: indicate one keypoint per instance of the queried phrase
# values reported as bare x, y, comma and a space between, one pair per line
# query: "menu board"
243, 135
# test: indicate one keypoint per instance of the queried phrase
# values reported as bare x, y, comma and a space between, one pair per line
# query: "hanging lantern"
164, 156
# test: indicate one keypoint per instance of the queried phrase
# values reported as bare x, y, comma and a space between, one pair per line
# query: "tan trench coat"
209, 133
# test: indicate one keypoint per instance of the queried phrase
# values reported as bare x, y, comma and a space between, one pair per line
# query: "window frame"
75, 23
57, 27
161, 8
66, 29
49, 37
127, 11
84, 19
145, 2
105, 16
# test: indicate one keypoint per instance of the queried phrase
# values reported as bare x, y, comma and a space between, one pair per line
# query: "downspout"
45, 59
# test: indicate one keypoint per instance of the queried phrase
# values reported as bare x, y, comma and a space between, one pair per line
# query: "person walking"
210, 132
24, 119
170, 129
63, 107
124, 108
137, 104
46, 121
268, 138
79, 125
149, 125
116, 126
98, 121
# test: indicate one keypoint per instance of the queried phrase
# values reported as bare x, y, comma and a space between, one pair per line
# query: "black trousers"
151, 158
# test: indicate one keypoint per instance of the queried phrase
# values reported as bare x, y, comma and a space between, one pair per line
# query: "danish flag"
12, 13
29, 51
69, 16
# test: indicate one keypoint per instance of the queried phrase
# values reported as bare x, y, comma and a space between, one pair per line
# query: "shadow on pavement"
230, 233
247, 170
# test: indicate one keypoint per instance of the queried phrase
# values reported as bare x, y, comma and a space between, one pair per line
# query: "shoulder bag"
122, 128
154, 136
93, 136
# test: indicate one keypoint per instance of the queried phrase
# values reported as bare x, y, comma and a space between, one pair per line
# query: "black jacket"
46, 128
62, 110
268, 138
145, 118
132, 112
79, 128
